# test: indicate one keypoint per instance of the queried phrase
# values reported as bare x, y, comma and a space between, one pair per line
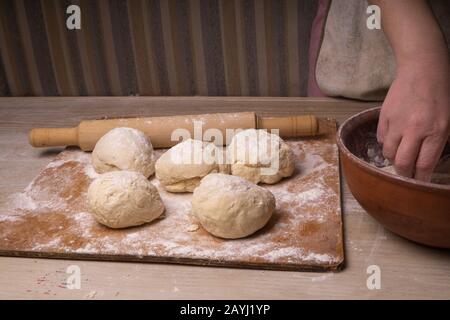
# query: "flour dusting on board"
37, 196
51, 216
312, 194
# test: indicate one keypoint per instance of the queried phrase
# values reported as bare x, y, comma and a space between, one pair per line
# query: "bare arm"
415, 117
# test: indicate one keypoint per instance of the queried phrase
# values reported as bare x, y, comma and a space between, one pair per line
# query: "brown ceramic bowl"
418, 211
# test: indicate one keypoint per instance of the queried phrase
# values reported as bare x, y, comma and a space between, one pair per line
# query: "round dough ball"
124, 149
231, 207
181, 168
259, 156
121, 199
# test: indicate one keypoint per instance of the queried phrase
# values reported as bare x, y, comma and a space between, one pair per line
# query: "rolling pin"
160, 129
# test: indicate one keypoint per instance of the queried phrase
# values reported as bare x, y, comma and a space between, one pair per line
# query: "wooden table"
408, 270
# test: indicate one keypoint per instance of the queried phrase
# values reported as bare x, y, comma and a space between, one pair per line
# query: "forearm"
413, 33
414, 122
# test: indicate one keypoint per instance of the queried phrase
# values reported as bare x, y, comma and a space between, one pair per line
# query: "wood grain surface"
408, 270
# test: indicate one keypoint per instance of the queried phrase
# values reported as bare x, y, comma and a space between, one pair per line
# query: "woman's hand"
414, 123
415, 117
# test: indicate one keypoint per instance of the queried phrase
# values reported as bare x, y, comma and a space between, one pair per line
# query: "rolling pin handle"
291, 126
53, 137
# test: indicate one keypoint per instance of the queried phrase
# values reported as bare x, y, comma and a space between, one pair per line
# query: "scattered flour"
312, 194
178, 234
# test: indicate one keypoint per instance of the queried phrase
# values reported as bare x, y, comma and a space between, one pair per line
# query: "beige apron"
353, 61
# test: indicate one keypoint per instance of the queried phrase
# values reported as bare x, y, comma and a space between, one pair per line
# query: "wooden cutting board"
50, 219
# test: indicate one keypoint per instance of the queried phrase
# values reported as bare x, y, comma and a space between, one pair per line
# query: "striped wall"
167, 47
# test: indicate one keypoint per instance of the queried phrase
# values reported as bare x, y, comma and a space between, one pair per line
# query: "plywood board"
50, 218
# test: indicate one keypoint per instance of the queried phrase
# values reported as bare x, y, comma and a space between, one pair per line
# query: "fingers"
428, 158
390, 145
382, 128
390, 139
406, 156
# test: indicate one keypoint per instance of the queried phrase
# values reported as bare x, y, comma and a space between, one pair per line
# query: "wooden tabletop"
407, 270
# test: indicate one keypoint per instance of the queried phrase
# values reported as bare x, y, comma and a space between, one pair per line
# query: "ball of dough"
121, 199
231, 207
124, 149
181, 168
259, 156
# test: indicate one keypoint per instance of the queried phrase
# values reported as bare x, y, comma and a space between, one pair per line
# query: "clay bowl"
419, 211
